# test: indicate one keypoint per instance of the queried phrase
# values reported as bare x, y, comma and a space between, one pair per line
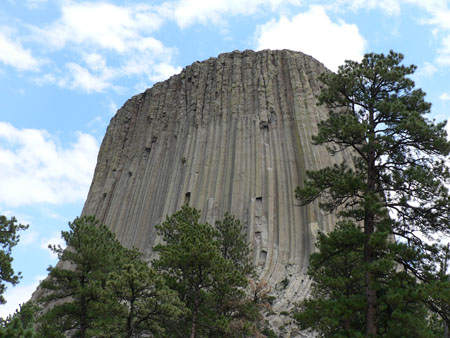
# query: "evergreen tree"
76, 284
209, 268
395, 186
136, 301
438, 291
8, 239
337, 304
233, 244
20, 324
102, 289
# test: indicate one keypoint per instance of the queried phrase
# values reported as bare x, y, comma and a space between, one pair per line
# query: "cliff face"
232, 133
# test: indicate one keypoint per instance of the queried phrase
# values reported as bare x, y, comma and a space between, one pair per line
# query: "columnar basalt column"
232, 133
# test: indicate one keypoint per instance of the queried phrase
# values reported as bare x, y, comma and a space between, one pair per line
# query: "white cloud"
391, 7
14, 55
438, 16
443, 57
28, 237
445, 97
188, 12
98, 32
315, 34
98, 77
151, 44
83, 79
113, 107
18, 295
435, 13
427, 70
35, 169
95, 62
163, 71
95, 76
35, 3
153, 71
101, 24
440, 19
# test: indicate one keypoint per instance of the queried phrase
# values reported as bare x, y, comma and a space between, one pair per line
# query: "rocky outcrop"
232, 133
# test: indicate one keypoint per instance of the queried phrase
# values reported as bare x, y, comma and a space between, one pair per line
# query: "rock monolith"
229, 134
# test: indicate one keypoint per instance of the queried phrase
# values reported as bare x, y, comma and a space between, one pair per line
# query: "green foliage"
233, 244
20, 324
8, 239
101, 289
268, 332
209, 268
438, 292
395, 188
137, 301
78, 281
285, 282
337, 304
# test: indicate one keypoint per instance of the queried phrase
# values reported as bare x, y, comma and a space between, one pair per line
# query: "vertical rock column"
232, 133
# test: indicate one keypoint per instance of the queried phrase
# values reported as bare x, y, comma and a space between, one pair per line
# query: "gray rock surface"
232, 133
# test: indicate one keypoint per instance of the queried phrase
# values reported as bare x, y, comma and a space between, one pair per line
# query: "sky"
66, 66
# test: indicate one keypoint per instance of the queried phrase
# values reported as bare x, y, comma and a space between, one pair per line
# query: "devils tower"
229, 134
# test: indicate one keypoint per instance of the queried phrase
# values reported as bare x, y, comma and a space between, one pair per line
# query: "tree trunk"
194, 320
371, 294
83, 319
371, 311
444, 272
130, 321
369, 228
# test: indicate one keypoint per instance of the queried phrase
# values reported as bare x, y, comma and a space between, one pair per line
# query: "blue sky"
66, 66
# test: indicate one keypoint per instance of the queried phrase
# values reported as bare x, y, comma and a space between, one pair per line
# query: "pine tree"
438, 290
8, 239
137, 301
395, 189
20, 324
209, 268
233, 244
337, 304
102, 289
76, 284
